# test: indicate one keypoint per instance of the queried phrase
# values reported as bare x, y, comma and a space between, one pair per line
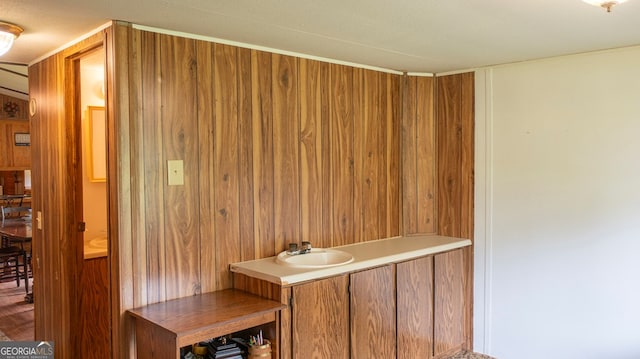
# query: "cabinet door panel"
449, 302
415, 308
321, 319
373, 313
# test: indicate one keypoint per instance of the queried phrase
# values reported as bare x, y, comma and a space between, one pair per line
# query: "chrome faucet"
305, 247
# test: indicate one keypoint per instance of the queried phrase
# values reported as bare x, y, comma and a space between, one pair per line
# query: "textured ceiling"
404, 35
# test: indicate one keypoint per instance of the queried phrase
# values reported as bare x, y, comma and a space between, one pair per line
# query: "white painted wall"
558, 208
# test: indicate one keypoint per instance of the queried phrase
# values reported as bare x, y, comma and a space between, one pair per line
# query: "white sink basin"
317, 258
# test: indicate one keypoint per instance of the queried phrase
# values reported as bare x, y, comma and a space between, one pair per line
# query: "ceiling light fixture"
8, 33
607, 4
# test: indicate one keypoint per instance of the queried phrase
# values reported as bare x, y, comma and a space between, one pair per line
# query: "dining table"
18, 231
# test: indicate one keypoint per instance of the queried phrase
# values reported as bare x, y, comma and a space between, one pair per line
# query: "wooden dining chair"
10, 264
11, 213
12, 250
15, 212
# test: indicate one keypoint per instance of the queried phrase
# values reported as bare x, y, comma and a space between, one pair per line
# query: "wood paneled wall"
13, 157
276, 149
454, 111
57, 252
419, 156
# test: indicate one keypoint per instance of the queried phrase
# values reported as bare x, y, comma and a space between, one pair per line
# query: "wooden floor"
16, 316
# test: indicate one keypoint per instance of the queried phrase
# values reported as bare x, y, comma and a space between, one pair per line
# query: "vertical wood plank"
467, 112
262, 127
455, 128
448, 129
311, 175
360, 187
321, 319
409, 153
467, 222
394, 155
341, 149
415, 308
286, 128
373, 313
177, 63
206, 176
327, 199
449, 308
94, 320
122, 63
226, 163
152, 244
285, 326
245, 156
372, 180
426, 159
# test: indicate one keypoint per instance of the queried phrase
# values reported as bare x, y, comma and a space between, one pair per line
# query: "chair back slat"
15, 212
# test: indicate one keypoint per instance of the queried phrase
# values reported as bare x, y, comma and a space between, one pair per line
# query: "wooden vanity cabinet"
449, 303
373, 313
347, 316
430, 295
320, 315
415, 308
412, 309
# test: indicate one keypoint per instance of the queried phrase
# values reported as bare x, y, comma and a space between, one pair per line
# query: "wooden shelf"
163, 328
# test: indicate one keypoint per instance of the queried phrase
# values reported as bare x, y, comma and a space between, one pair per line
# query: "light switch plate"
175, 173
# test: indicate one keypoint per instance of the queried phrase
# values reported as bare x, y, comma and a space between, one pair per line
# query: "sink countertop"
366, 255
95, 248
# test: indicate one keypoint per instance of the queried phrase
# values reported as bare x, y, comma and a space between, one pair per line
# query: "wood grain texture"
258, 287
245, 156
226, 163
13, 157
455, 138
373, 313
449, 309
311, 159
94, 327
341, 155
393, 161
56, 249
206, 160
120, 181
409, 157
419, 156
286, 166
415, 308
209, 315
285, 325
262, 135
271, 155
179, 141
426, 157
150, 160
371, 149
250, 185
468, 205
321, 319
449, 150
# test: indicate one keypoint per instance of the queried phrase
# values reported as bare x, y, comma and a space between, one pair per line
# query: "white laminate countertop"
366, 255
